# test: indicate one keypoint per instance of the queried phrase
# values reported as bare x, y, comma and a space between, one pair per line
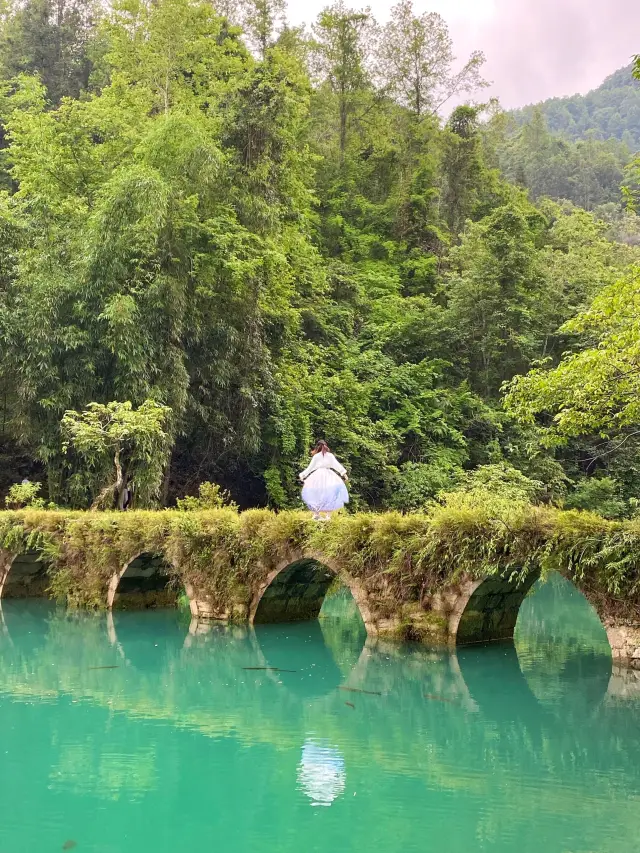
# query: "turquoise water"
180, 747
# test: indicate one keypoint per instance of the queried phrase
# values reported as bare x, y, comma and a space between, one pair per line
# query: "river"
141, 733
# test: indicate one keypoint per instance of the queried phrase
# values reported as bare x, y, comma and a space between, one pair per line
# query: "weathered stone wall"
24, 576
625, 643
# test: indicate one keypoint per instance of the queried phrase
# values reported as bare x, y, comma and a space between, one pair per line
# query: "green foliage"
499, 490
416, 484
610, 111
598, 494
340, 51
275, 236
56, 41
631, 189
119, 444
415, 58
593, 391
587, 172
210, 496
495, 292
25, 494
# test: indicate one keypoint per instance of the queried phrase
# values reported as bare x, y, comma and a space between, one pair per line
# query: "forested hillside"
576, 148
258, 236
612, 111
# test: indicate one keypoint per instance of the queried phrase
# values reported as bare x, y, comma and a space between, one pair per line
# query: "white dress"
324, 490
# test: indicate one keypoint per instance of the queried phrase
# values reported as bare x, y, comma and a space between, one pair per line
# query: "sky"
535, 49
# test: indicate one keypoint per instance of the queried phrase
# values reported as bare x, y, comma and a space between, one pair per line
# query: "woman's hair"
321, 447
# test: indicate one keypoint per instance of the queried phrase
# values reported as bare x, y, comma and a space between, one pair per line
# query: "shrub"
210, 496
25, 494
598, 494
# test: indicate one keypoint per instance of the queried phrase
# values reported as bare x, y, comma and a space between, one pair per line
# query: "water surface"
131, 734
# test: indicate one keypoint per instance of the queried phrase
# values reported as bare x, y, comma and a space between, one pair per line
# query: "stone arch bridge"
410, 577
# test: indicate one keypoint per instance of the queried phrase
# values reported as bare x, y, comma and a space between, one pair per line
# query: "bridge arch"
23, 575
295, 589
144, 581
486, 610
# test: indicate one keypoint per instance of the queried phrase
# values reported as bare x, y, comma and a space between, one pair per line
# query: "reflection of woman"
321, 773
324, 490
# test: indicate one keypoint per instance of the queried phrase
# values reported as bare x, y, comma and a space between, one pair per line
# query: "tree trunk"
120, 481
167, 480
343, 123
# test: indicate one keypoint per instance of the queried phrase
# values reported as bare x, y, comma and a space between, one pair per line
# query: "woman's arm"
309, 469
338, 467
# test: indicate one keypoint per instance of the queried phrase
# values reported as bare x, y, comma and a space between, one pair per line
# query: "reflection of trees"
464, 724
342, 628
561, 642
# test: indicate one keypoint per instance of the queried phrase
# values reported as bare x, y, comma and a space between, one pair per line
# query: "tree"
277, 244
462, 168
119, 446
55, 40
580, 260
340, 51
631, 189
177, 274
595, 391
181, 52
261, 21
610, 111
587, 172
415, 59
494, 295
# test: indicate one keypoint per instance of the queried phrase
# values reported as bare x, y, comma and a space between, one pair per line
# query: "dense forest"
224, 237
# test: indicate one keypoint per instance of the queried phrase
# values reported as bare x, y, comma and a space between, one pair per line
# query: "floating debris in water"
439, 698
70, 844
357, 690
351, 705
268, 668
115, 666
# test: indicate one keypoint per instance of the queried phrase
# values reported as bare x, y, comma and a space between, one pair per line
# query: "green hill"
610, 111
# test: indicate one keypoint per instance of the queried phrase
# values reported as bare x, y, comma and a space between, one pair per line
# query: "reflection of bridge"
58, 654
123, 561
181, 699
201, 677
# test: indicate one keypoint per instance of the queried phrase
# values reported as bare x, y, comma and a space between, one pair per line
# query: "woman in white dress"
324, 489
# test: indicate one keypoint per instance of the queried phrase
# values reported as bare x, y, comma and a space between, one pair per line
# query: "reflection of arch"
497, 685
294, 591
434, 673
23, 576
549, 659
4, 630
145, 581
562, 645
144, 641
299, 657
113, 636
25, 623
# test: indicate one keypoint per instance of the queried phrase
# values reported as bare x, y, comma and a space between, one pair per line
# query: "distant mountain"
612, 111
